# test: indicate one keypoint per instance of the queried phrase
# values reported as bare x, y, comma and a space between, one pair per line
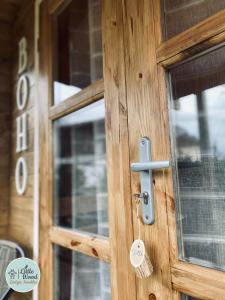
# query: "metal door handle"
150, 165
145, 167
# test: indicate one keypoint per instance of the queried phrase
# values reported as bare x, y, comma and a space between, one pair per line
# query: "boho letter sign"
22, 95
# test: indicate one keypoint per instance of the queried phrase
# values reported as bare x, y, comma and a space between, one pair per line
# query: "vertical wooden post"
120, 217
145, 119
45, 208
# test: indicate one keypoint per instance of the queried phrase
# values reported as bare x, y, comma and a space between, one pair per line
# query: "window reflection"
80, 277
77, 48
179, 15
80, 180
185, 297
198, 132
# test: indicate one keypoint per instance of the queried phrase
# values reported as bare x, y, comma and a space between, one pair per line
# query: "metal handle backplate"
145, 167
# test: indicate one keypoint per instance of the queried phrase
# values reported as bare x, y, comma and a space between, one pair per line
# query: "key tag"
138, 256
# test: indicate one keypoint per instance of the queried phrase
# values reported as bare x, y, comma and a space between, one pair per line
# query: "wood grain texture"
21, 207
145, 119
208, 33
85, 243
178, 16
198, 282
118, 169
87, 96
55, 4
5, 124
45, 206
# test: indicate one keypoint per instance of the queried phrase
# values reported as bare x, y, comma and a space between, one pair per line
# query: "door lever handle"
150, 165
145, 167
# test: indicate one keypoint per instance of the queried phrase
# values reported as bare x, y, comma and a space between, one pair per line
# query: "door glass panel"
77, 47
80, 178
80, 277
185, 297
179, 15
197, 112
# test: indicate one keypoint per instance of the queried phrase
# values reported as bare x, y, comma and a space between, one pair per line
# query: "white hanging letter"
22, 55
22, 92
21, 176
21, 133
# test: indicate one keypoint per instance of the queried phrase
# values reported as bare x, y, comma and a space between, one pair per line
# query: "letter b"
22, 55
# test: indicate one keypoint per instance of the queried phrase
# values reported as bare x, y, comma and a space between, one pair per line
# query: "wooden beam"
145, 119
45, 191
206, 34
86, 96
117, 140
199, 282
85, 243
55, 4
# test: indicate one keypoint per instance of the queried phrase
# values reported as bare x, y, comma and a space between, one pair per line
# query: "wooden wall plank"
21, 207
5, 124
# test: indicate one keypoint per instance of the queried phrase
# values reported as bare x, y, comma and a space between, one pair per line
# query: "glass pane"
80, 178
77, 45
179, 15
185, 297
198, 135
80, 277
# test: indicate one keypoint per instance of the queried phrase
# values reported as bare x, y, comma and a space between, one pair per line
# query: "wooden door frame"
120, 221
193, 280
135, 88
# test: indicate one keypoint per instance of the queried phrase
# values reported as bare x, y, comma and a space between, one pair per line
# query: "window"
86, 277
197, 116
77, 48
179, 15
80, 177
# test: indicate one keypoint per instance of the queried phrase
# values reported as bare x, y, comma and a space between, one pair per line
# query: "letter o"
21, 99
21, 171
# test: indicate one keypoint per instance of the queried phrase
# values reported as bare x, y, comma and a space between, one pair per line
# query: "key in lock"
143, 196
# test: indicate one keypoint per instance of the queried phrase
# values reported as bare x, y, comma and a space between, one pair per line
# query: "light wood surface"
198, 282
85, 243
45, 206
86, 96
121, 234
145, 120
136, 105
120, 221
202, 36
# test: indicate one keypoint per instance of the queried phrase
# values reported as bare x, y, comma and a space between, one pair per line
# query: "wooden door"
85, 224
154, 85
174, 83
